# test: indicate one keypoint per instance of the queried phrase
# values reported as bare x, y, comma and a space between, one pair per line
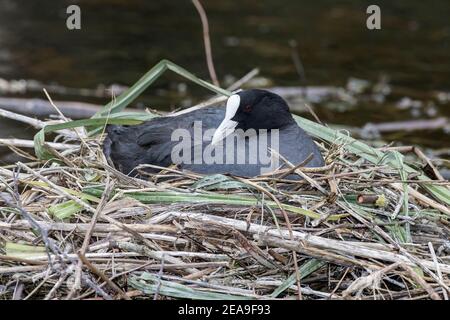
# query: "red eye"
248, 108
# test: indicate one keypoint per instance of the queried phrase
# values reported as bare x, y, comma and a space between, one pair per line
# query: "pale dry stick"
187, 254
277, 283
160, 218
83, 227
224, 289
54, 106
102, 134
43, 259
65, 169
88, 293
322, 169
25, 261
311, 110
89, 282
421, 282
126, 179
22, 153
333, 185
158, 285
207, 42
67, 120
22, 143
181, 268
49, 244
210, 102
186, 174
394, 180
320, 254
21, 269
254, 72
344, 247
311, 181
301, 164
150, 236
254, 251
86, 206
271, 196
124, 263
200, 274
438, 269
36, 289
422, 156
40, 108
217, 99
338, 284
303, 175
37, 124
363, 282
158, 255
7, 174
59, 155
270, 178
425, 265
56, 188
58, 284
124, 244
422, 198
87, 238
286, 218
33, 85
97, 289
399, 205
297, 275
295, 55
96, 271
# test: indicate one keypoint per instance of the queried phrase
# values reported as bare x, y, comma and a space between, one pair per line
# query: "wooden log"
21, 143
411, 125
42, 108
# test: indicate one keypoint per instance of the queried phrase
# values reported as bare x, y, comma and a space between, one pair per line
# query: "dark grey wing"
296, 145
151, 142
156, 137
120, 147
159, 130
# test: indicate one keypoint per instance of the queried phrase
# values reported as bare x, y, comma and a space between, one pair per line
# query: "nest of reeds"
74, 227
371, 224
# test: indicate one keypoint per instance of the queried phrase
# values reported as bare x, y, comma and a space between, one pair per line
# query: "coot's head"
253, 109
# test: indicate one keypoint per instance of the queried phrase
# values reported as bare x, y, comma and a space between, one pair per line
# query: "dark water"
120, 40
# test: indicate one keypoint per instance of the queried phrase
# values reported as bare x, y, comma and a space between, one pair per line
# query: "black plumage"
151, 142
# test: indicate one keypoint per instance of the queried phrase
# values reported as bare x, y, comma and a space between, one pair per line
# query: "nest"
76, 228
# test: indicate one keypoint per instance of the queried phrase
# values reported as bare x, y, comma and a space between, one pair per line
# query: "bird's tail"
111, 132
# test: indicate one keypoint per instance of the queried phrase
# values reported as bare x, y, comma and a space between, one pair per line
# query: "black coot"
238, 139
